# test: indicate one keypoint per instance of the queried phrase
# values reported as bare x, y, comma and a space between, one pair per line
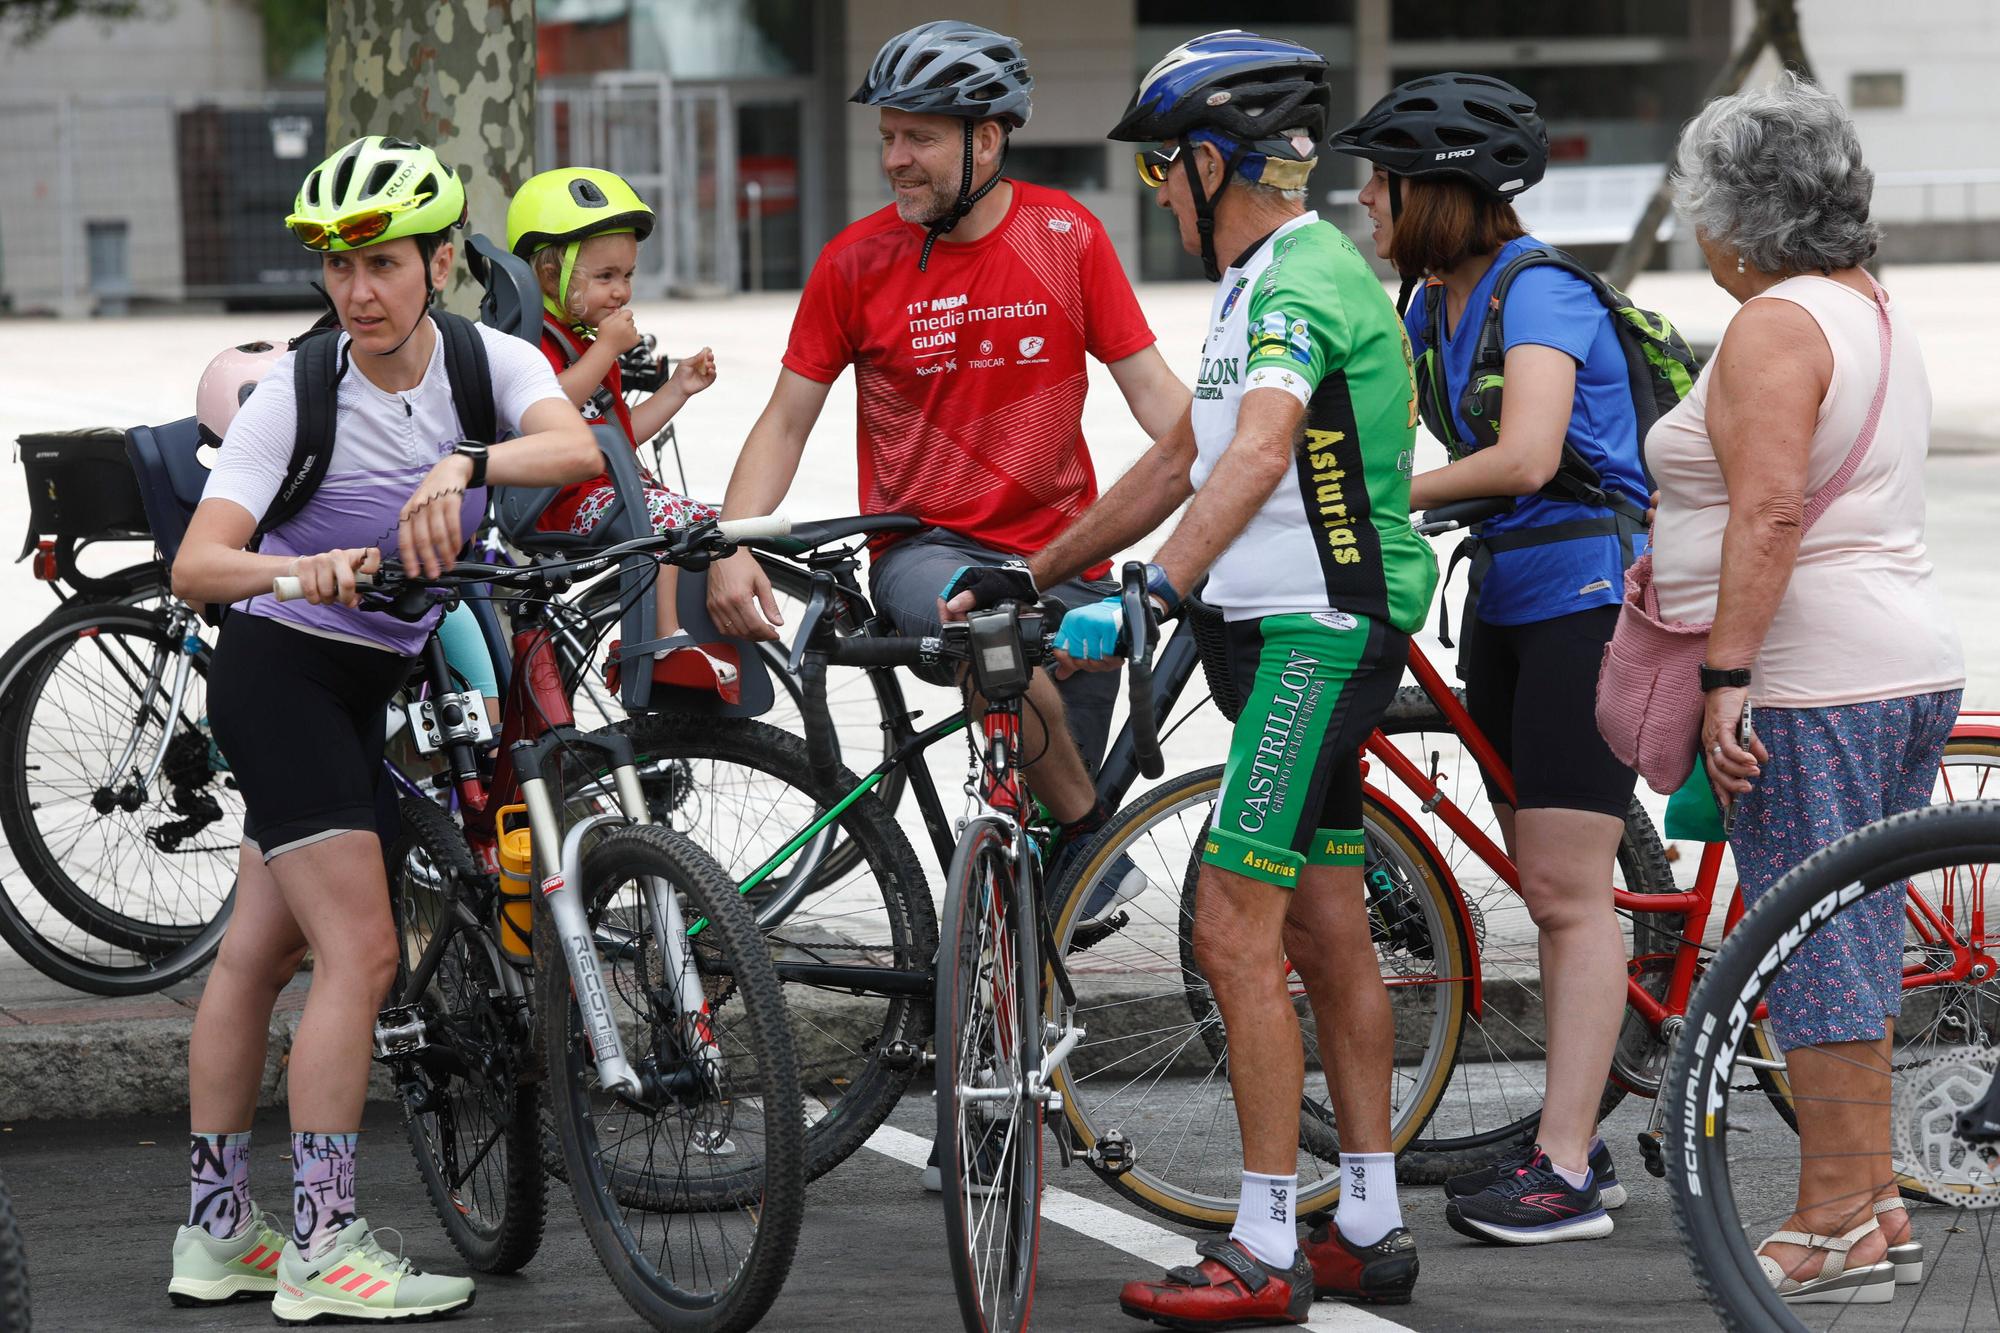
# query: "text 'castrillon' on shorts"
1314, 686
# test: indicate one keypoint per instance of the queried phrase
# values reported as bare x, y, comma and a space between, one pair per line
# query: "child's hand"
619, 331
695, 373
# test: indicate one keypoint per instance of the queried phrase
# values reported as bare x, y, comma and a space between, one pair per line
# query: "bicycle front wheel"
115, 801
989, 1141
469, 1105
1733, 1170
692, 1189
1151, 1079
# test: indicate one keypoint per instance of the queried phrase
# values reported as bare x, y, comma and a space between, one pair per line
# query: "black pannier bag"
80, 486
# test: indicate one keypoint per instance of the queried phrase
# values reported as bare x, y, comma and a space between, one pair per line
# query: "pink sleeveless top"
1862, 617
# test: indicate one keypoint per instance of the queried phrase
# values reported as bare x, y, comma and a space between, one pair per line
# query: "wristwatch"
1164, 594
1720, 678
477, 453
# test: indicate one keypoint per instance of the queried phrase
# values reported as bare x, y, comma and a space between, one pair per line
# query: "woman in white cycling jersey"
297, 691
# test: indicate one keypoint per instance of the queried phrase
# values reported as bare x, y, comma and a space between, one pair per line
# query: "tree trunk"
458, 75
1634, 254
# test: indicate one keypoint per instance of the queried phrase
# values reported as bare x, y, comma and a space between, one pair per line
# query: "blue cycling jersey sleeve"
1550, 308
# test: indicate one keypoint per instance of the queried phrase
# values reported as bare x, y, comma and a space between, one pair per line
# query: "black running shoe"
1472, 1182
1533, 1206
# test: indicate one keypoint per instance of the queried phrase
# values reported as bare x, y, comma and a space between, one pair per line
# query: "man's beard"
934, 204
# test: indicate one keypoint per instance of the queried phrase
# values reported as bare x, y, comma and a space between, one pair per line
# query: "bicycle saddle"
825, 531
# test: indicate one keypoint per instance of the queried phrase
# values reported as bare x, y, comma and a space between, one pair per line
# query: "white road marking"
1135, 1235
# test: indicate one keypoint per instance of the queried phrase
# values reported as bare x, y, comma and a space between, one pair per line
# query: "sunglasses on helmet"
358, 228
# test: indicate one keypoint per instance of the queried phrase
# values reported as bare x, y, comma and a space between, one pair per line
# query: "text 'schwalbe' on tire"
127, 878
740, 790
989, 1141
1494, 1103
1153, 1066
470, 1100
1732, 1166
692, 1193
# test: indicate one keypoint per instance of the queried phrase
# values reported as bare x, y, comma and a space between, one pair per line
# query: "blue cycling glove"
1090, 633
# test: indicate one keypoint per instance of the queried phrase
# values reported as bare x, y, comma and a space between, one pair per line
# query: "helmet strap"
559, 303
1204, 203
967, 197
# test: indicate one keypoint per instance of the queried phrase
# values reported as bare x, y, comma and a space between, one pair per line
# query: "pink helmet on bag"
227, 382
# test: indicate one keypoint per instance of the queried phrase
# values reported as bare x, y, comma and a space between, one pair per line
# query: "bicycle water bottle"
517, 873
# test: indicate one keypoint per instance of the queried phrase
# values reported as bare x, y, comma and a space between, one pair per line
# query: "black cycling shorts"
1533, 690
301, 720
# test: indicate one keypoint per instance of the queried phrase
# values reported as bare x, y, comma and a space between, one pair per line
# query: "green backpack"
1661, 364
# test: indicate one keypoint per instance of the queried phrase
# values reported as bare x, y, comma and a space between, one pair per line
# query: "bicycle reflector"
999, 666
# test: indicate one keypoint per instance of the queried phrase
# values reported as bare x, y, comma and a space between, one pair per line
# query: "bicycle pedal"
399, 1031
1652, 1147
900, 1055
1113, 1154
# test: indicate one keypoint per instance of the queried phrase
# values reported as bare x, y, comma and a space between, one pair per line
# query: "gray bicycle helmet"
950, 68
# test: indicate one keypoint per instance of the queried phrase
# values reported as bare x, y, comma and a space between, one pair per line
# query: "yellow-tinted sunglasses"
354, 229
1153, 164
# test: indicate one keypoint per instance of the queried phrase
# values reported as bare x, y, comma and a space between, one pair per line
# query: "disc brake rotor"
1927, 1099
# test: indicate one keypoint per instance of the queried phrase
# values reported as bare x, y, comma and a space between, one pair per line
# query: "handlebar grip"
287, 588
878, 651
768, 527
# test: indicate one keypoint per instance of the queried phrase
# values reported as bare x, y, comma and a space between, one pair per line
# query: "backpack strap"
470, 374
552, 331
318, 364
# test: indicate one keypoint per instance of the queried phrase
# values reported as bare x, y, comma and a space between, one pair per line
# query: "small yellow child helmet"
568, 206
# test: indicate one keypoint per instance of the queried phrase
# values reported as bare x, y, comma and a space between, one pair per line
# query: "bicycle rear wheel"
1493, 1105
470, 1101
1151, 1076
1733, 1179
989, 1022
114, 800
693, 1190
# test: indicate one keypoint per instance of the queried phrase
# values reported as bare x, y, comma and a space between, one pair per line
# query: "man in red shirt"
966, 308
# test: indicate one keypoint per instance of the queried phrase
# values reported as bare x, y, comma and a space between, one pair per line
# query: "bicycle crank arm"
1051, 1062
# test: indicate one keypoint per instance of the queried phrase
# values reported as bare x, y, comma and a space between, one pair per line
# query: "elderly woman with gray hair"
1791, 513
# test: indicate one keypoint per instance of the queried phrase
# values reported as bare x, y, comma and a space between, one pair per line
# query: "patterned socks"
219, 1183
322, 1189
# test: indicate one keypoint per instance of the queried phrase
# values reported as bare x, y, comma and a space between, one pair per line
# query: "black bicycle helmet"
1254, 98
1480, 129
949, 68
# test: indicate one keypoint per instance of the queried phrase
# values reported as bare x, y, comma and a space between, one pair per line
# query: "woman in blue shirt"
1450, 152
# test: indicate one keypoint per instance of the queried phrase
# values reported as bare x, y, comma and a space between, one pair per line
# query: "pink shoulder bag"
1649, 698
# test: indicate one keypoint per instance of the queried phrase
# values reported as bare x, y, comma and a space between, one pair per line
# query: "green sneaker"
208, 1271
358, 1280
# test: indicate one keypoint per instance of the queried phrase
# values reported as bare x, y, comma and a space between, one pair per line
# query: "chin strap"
1204, 204
1395, 215
967, 197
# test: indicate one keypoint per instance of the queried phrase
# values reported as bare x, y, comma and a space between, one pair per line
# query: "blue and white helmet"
1264, 93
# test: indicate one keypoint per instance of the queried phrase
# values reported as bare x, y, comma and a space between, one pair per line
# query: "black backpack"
316, 373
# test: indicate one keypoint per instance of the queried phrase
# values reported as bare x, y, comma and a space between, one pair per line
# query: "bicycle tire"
982, 1153
845, 1043
1698, 1129
16, 1314
1138, 1040
121, 930
765, 1197
1503, 1047
483, 1098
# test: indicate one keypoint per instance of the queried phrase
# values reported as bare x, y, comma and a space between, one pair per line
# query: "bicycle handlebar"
1461, 514
694, 545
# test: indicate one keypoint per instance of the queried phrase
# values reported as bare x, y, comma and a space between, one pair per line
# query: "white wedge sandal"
1909, 1256
1837, 1284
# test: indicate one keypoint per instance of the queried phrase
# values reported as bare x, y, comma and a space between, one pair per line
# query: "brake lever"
816, 608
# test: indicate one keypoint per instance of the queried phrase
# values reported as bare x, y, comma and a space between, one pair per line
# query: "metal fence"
118, 199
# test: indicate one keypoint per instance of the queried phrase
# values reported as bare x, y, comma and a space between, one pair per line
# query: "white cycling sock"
1264, 1222
1368, 1209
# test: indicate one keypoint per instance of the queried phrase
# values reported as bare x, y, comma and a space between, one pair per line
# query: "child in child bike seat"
580, 229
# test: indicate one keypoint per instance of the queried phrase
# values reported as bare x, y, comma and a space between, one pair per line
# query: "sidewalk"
64, 1055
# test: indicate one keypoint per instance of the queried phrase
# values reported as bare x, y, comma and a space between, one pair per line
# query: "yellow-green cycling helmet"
374, 190
568, 206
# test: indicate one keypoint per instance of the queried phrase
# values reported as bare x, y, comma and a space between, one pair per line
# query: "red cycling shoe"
1228, 1289
1380, 1274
